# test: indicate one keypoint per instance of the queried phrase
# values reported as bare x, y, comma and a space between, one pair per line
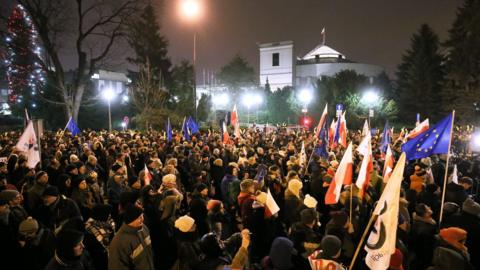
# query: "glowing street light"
109, 94
249, 100
191, 10
221, 100
305, 96
370, 97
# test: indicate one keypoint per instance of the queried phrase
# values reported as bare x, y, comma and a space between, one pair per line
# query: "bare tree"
88, 29
149, 96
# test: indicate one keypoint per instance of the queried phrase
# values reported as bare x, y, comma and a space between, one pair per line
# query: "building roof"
323, 51
275, 44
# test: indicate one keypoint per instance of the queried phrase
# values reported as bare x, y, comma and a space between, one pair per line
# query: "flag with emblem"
433, 141
381, 242
29, 145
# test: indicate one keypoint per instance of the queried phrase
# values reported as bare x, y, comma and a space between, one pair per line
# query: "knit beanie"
28, 226
246, 184
295, 186
8, 195
184, 223
67, 239
330, 246
310, 202
200, 187
131, 213
453, 236
101, 212
50, 191
469, 206
281, 253
214, 205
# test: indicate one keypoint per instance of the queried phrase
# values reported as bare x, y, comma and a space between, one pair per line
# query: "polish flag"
226, 137
343, 131
365, 149
422, 127
366, 129
343, 176
388, 166
331, 133
271, 207
29, 145
234, 116
323, 118
148, 176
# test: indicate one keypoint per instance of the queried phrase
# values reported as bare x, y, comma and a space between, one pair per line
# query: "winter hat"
339, 218
471, 207
76, 180
261, 198
131, 213
295, 186
200, 187
214, 205
246, 184
310, 201
116, 167
8, 195
67, 239
28, 226
210, 246
330, 246
169, 179
309, 215
50, 191
396, 260
101, 212
184, 223
453, 236
281, 253
69, 168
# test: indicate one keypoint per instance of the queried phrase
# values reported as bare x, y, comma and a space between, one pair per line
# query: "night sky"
370, 31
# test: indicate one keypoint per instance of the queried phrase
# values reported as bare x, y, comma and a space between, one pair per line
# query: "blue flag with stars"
169, 131
433, 141
386, 138
72, 127
192, 126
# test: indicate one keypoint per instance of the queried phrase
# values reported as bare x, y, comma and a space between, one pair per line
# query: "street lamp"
305, 96
370, 99
220, 100
191, 10
109, 94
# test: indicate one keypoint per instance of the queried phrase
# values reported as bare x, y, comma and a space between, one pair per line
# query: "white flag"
271, 205
381, 242
366, 129
303, 156
29, 145
455, 175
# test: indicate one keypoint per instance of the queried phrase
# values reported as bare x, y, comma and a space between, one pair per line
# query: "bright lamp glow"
221, 99
476, 139
370, 97
191, 9
123, 124
125, 98
251, 99
108, 94
305, 96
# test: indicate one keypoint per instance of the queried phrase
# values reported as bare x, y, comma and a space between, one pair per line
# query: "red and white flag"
422, 127
365, 149
388, 165
234, 116
381, 242
366, 129
322, 120
343, 176
331, 133
29, 145
343, 130
271, 207
148, 176
225, 136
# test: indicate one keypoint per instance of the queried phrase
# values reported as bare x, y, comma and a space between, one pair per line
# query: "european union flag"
72, 127
386, 138
169, 131
192, 126
321, 149
433, 141
186, 134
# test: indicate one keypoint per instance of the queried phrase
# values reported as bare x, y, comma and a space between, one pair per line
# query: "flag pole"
351, 204
446, 170
360, 244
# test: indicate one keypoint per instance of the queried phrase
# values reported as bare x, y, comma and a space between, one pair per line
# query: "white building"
277, 65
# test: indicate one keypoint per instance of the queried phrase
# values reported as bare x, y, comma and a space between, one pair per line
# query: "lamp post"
370, 99
108, 94
305, 96
191, 10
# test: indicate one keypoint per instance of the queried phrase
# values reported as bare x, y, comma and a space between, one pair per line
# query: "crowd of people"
132, 200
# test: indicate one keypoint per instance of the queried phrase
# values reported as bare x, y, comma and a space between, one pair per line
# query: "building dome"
323, 51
